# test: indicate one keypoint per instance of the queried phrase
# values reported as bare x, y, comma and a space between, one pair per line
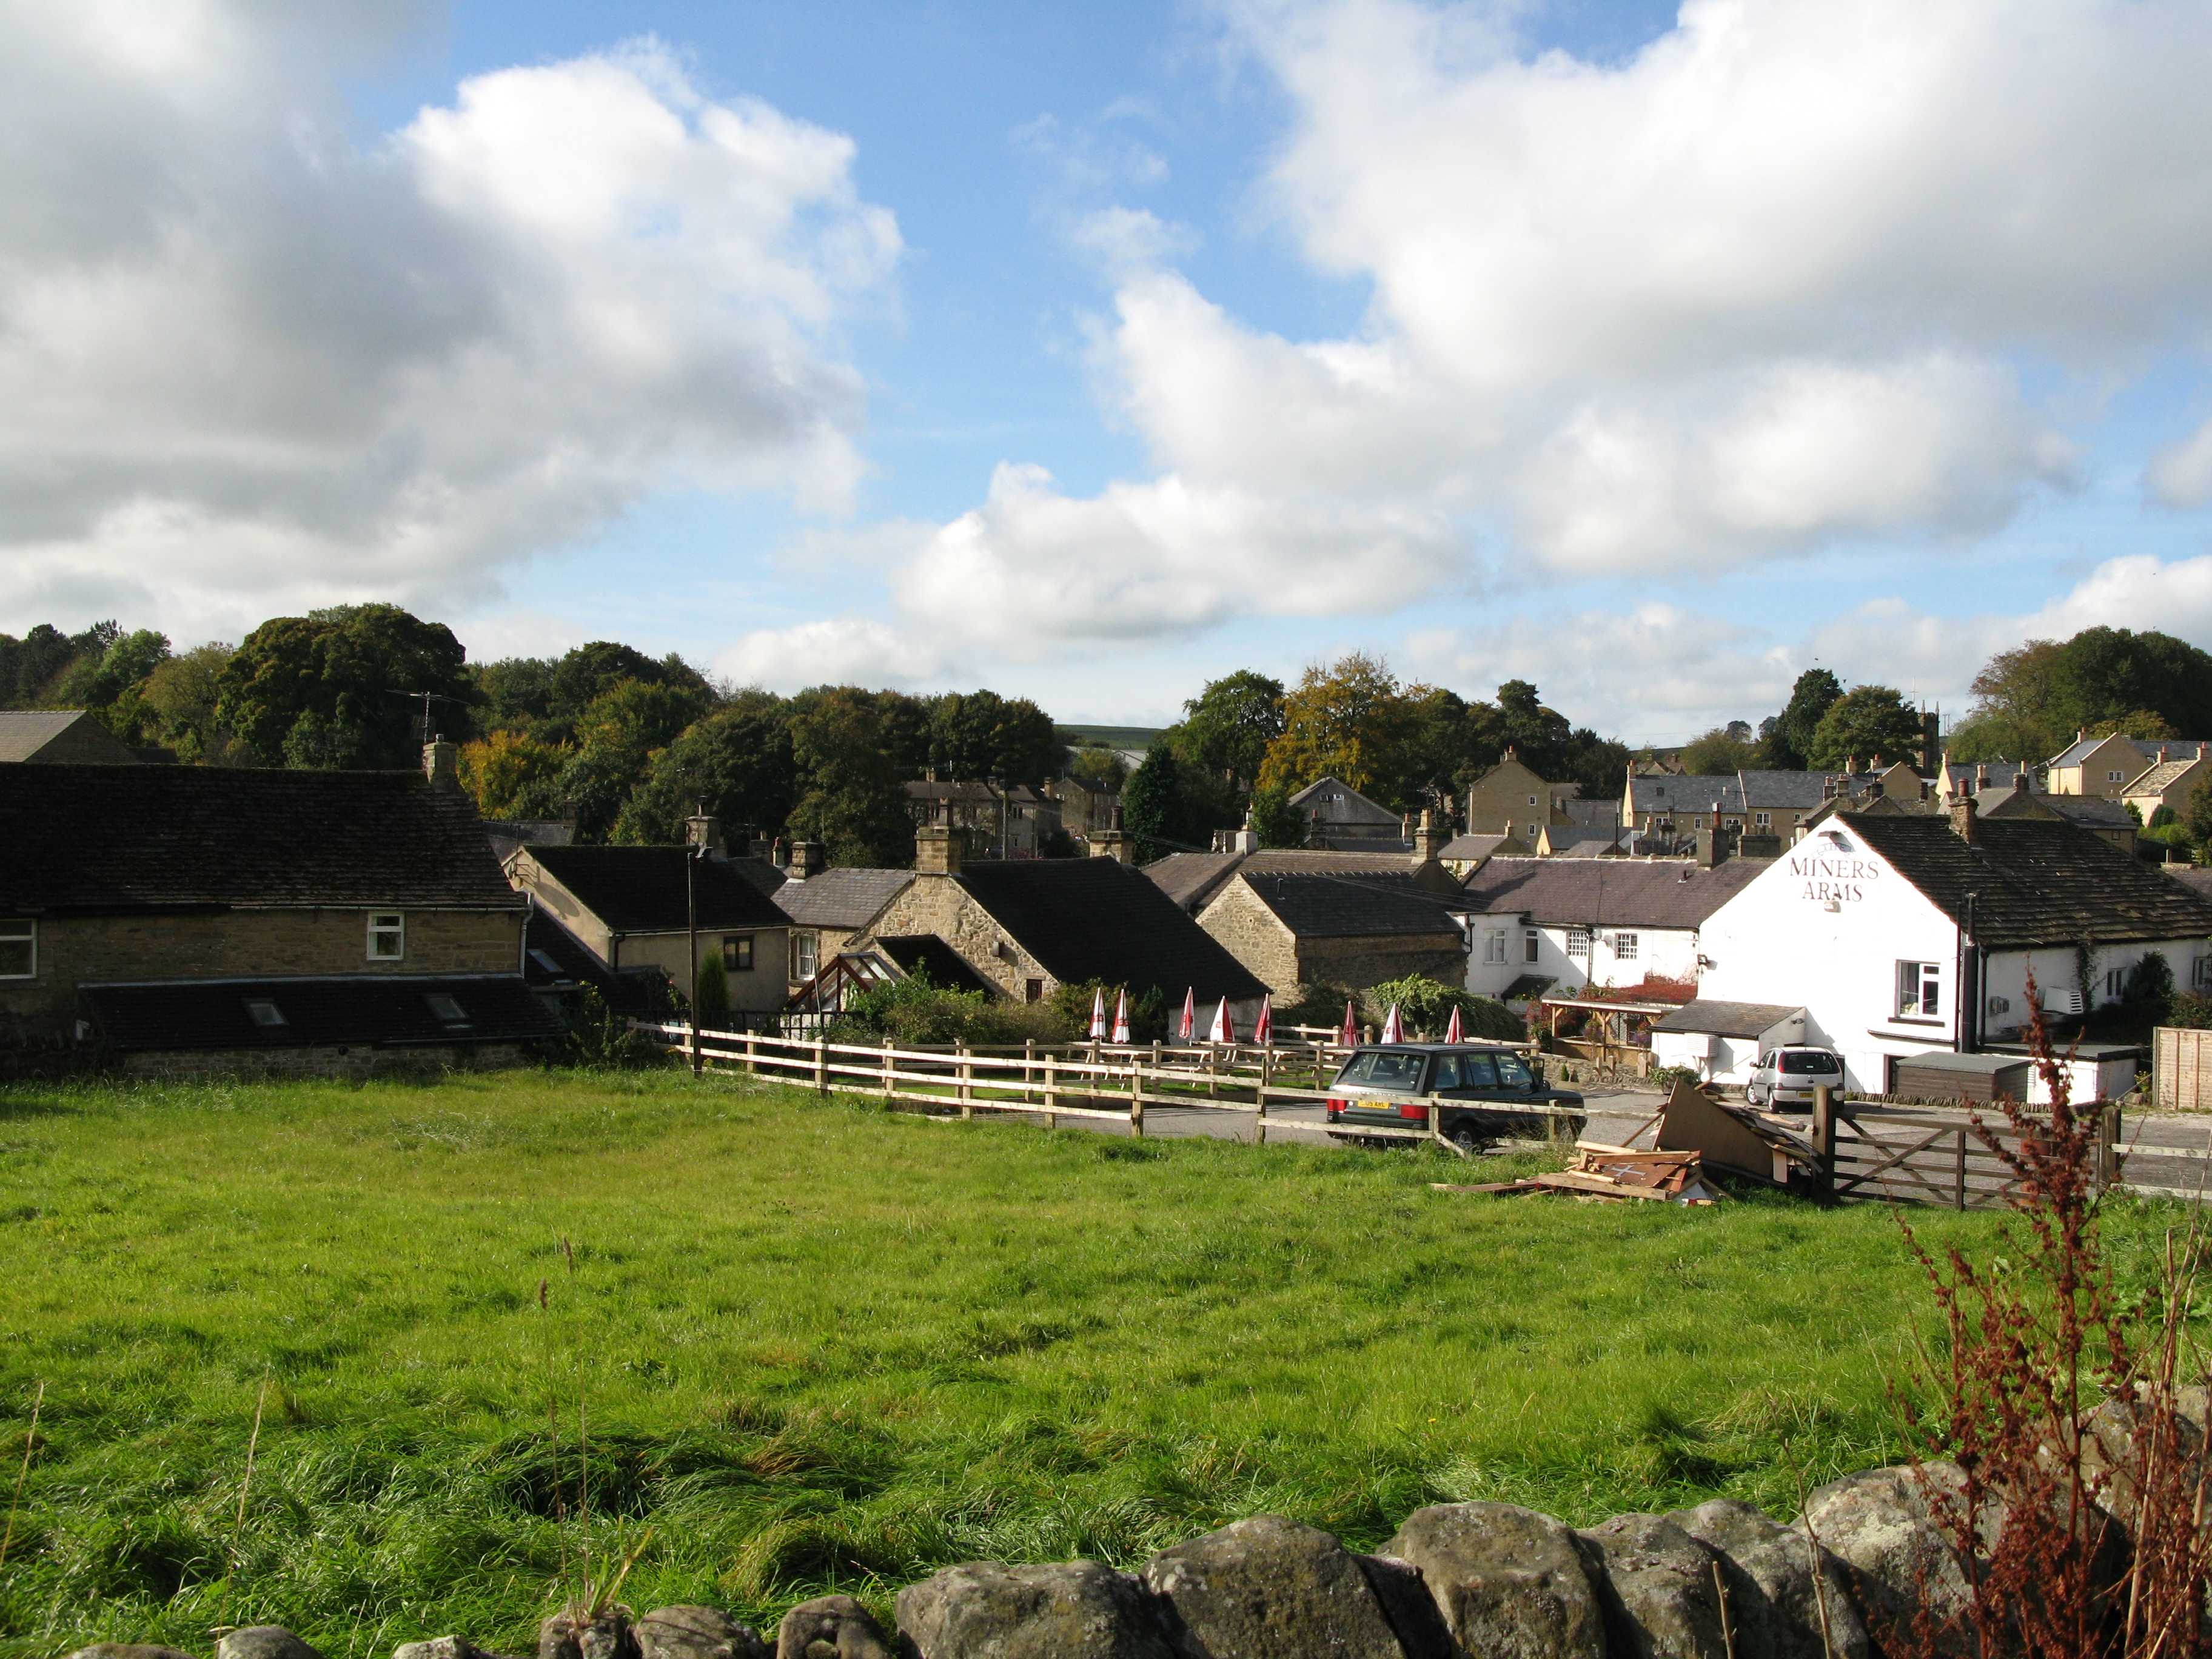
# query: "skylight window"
446, 1008
265, 1014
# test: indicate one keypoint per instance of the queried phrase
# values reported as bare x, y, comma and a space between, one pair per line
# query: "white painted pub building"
1898, 934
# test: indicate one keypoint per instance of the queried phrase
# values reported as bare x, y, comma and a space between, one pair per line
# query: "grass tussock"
822, 1347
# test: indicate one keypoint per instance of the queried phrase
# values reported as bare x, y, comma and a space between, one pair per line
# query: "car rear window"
1378, 1068
1802, 1063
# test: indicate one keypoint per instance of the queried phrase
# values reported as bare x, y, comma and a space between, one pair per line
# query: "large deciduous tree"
328, 688
980, 734
852, 796
1156, 807
1787, 744
1866, 722
1349, 720
1227, 727
737, 761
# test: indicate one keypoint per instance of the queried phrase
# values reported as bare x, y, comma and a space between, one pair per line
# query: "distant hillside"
1114, 736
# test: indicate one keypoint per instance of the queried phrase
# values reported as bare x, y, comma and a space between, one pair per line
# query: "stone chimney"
1962, 820
1245, 840
704, 829
1114, 842
1406, 827
2019, 781
937, 847
807, 859
1710, 849
442, 764
1982, 777
1429, 838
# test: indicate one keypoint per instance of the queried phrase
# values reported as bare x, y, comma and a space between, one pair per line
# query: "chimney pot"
442, 764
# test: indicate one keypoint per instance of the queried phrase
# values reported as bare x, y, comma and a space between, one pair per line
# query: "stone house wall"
937, 905
1256, 936
1259, 938
241, 944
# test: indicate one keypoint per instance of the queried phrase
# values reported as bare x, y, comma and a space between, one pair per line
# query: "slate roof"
639, 890
1690, 793
1086, 919
2161, 777
2197, 877
2090, 811
1787, 792
378, 1011
1353, 907
2081, 748
25, 732
2039, 881
1727, 1019
1193, 879
97, 840
1605, 813
506, 835
1660, 893
1469, 847
844, 897
943, 964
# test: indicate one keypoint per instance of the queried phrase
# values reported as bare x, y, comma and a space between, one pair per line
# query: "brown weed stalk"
2081, 1535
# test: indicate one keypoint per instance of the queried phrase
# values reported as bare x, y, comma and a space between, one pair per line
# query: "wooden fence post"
1029, 1068
1136, 1094
967, 1087
1959, 1174
2108, 1148
821, 1063
1824, 1132
1051, 1090
752, 1065
1260, 1118
890, 1085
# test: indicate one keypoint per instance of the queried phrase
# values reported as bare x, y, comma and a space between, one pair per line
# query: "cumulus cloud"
1034, 571
2180, 474
242, 355
1768, 284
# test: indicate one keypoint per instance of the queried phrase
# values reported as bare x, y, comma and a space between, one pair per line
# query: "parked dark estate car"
1478, 1087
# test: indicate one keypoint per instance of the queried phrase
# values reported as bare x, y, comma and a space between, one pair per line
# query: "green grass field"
818, 1346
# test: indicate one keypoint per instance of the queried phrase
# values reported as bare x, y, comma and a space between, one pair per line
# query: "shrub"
914, 1012
1425, 1005
714, 988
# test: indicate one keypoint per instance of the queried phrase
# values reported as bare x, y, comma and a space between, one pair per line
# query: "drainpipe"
1969, 984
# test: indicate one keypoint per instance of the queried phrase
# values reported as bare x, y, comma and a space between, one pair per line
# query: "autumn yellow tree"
500, 768
1351, 720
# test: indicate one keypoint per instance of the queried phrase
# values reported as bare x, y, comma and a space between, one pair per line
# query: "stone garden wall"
1458, 1581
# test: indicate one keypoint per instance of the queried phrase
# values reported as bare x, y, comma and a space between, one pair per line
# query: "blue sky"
1090, 353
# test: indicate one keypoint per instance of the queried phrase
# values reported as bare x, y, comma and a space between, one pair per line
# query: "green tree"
2016, 714
1789, 746
736, 760
1275, 821
590, 671
2112, 674
2197, 812
1227, 727
852, 798
516, 694
1350, 719
713, 985
1425, 1005
181, 693
980, 734
1718, 753
1154, 808
349, 667
1099, 766
513, 775
1867, 721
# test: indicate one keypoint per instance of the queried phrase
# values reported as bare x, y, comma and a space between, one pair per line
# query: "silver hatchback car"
1786, 1076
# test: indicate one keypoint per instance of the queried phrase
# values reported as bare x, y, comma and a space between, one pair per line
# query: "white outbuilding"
1904, 935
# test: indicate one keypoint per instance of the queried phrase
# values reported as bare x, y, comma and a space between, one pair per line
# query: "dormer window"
387, 935
265, 1015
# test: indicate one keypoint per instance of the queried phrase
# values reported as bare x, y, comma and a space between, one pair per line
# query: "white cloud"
1767, 284
244, 360
2180, 474
833, 650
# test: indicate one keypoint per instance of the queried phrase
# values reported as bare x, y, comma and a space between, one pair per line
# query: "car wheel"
1462, 1135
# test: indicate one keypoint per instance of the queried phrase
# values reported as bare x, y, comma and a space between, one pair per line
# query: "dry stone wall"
1457, 1581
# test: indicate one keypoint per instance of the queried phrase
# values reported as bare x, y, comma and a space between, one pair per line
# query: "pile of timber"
1598, 1174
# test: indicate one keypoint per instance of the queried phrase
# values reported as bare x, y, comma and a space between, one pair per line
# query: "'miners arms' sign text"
1834, 878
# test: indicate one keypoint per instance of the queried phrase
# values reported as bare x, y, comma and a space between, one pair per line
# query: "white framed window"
1494, 945
1578, 941
738, 952
1763, 820
2116, 984
2115, 777
803, 947
19, 949
1532, 801
387, 935
1920, 989
1532, 945
1624, 947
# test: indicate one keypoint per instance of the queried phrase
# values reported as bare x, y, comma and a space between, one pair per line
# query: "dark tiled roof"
1353, 907
380, 1010
1192, 879
555, 959
24, 733
848, 897
1605, 813
931, 955
1729, 1019
2038, 881
506, 835
1608, 893
93, 839
639, 890
1086, 919
759, 871
2197, 877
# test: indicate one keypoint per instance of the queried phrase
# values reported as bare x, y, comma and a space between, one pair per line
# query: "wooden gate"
1898, 1155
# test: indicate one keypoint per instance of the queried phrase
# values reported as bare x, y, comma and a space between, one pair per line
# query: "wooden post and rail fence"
1075, 1080
1875, 1152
